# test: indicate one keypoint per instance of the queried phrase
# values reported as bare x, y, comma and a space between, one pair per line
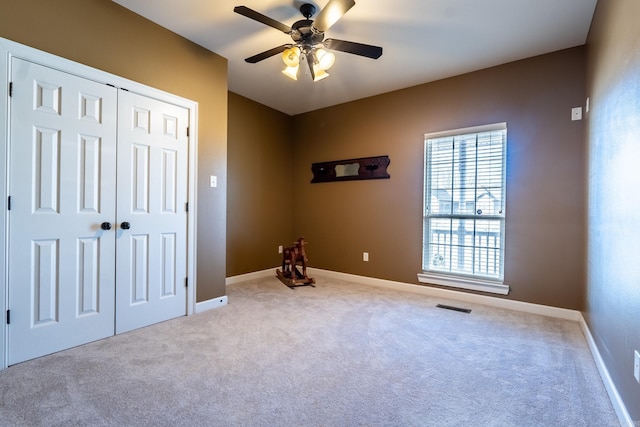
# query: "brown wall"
544, 261
106, 36
259, 202
613, 280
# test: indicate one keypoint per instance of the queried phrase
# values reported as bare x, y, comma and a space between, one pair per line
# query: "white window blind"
464, 196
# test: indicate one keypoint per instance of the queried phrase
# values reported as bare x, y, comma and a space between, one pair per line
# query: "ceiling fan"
308, 39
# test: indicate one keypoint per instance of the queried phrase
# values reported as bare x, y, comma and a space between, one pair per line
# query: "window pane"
462, 246
490, 173
487, 247
440, 176
439, 243
464, 174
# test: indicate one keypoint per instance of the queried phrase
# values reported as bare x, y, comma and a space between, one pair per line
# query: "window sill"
464, 283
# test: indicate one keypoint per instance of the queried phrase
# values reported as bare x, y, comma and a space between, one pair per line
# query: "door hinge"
187, 131
8, 317
186, 282
9, 203
10, 89
186, 207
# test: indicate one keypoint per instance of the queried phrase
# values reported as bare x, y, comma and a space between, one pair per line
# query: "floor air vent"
450, 307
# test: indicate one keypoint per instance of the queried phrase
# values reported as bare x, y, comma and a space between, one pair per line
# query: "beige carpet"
339, 354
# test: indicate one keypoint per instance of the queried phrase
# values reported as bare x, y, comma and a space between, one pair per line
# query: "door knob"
105, 226
125, 225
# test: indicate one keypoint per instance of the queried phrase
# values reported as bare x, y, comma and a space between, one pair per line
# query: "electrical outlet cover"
576, 113
636, 365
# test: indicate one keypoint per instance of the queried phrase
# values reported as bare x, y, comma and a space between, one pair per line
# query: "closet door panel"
62, 187
152, 196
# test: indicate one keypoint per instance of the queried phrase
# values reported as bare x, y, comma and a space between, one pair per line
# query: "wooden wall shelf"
351, 169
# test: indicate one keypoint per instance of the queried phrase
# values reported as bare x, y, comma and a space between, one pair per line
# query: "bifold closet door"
98, 221
152, 213
63, 197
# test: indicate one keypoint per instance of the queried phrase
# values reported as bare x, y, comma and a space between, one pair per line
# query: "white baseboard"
211, 304
250, 276
544, 310
614, 396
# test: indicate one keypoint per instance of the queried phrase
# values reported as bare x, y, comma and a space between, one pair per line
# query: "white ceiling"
423, 41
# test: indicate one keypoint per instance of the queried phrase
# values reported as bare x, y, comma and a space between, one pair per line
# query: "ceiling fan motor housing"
303, 32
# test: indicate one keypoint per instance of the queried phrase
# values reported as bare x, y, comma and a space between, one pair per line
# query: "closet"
97, 218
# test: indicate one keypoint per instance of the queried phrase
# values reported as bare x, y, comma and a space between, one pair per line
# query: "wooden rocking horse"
291, 257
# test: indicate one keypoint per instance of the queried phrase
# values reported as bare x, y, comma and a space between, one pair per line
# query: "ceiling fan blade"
331, 13
267, 53
257, 16
373, 52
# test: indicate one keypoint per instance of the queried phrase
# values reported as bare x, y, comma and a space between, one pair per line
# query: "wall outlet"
280, 249
365, 256
636, 365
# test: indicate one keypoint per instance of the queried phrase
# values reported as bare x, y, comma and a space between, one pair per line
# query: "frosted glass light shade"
319, 73
291, 72
291, 56
325, 58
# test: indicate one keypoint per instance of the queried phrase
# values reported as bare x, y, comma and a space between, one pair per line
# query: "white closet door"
152, 196
62, 188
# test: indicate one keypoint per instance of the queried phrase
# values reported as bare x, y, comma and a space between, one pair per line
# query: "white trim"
463, 283
211, 304
4, 147
616, 401
462, 131
251, 276
192, 229
27, 53
544, 310
10, 49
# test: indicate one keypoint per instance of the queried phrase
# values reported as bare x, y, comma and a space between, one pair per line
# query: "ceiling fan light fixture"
291, 56
325, 59
319, 74
291, 72
309, 41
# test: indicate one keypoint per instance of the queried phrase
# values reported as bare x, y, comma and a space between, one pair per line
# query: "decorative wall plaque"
351, 169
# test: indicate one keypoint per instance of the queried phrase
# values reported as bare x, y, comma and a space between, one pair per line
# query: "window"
464, 193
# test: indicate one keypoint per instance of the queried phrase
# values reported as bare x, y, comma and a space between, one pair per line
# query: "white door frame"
9, 50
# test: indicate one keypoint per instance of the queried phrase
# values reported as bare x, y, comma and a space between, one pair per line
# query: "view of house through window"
464, 194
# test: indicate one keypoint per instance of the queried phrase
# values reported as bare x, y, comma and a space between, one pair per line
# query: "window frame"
481, 282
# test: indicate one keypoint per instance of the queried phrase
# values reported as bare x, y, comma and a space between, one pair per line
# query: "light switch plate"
576, 113
213, 181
